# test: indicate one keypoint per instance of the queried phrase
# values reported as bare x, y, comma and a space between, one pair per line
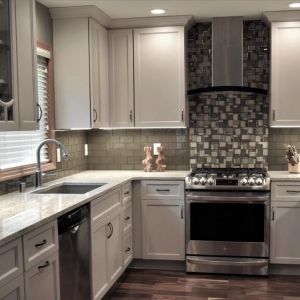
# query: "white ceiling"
200, 9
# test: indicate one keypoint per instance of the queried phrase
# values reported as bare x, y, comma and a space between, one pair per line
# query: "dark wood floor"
153, 284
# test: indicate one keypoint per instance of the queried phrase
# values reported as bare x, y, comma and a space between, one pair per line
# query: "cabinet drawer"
126, 193
127, 249
285, 191
11, 261
40, 243
105, 204
127, 218
169, 190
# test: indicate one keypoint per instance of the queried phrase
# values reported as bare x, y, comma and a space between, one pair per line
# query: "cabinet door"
159, 77
9, 114
285, 74
26, 64
285, 228
14, 290
98, 40
42, 280
115, 245
121, 78
163, 229
100, 282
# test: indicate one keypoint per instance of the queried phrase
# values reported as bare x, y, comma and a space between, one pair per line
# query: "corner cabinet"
147, 78
285, 74
18, 81
80, 73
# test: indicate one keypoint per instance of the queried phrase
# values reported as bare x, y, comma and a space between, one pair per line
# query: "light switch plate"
58, 156
155, 146
86, 149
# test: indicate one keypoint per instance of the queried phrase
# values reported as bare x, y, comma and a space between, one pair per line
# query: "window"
18, 148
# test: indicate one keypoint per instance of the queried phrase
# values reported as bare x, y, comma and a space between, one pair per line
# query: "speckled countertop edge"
283, 175
20, 213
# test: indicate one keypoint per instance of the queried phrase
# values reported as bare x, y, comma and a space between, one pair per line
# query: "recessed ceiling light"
157, 11
294, 5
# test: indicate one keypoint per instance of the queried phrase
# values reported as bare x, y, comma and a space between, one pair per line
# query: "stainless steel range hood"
227, 57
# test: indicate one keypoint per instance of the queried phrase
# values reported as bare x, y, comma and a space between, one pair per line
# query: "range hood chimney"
227, 58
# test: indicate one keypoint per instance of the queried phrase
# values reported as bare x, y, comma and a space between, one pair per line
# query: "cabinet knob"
182, 115
131, 116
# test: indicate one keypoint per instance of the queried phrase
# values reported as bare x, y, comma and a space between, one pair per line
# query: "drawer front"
11, 261
171, 190
40, 243
127, 249
14, 290
127, 218
126, 193
285, 191
105, 205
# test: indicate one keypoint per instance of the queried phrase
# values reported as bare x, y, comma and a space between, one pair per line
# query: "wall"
124, 149
229, 129
43, 25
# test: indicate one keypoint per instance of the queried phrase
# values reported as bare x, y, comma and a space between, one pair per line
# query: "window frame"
27, 170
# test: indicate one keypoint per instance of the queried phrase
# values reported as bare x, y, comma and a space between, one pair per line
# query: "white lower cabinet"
285, 228
107, 247
14, 290
42, 280
163, 225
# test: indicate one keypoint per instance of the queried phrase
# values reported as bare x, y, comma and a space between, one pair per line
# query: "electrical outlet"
58, 156
155, 146
86, 149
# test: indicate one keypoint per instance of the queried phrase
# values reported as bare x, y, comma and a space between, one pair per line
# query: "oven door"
227, 223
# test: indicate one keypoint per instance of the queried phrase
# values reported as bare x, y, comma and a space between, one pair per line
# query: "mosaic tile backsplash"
229, 129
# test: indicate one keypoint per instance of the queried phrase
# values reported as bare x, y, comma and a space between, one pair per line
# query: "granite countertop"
283, 175
22, 212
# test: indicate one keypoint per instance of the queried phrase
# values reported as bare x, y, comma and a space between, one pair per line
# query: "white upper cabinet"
159, 75
285, 74
121, 78
18, 83
80, 73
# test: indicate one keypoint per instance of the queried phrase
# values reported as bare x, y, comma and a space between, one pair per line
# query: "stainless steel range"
227, 221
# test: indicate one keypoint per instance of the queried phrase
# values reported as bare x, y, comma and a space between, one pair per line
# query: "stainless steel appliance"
74, 254
227, 221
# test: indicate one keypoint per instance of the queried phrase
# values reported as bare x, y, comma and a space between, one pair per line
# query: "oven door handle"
222, 199
240, 263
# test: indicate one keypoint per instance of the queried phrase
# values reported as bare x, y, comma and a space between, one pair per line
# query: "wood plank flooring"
172, 285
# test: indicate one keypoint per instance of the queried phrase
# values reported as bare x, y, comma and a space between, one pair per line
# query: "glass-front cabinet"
8, 113
18, 85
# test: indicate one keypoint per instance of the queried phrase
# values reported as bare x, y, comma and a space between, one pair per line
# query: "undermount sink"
70, 188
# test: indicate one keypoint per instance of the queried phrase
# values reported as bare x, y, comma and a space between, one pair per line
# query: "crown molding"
282, 16
92, 11
88, 11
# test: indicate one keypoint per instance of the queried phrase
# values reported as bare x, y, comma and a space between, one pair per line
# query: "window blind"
18, 148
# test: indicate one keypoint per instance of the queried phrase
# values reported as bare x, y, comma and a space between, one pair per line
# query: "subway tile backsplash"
124, 149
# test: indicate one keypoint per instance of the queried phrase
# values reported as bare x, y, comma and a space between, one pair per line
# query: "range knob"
202, 180
210, 181
259, 181
251, 181
195, 180
244, 181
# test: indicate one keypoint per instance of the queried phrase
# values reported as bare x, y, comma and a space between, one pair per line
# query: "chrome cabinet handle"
47, 264
40, 113
127, 218
95, 114
273, 213
181, 211
293, 191
42, 243
131, 116
182, 115
162, 190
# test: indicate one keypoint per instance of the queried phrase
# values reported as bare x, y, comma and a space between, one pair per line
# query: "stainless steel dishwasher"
74, 254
